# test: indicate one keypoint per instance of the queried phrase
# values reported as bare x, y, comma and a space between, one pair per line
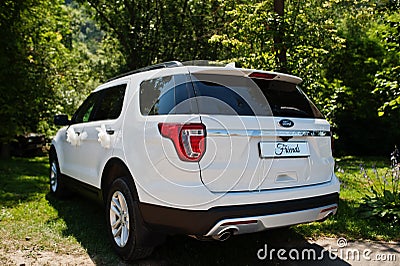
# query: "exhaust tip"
224, 236
226, 233
329, 214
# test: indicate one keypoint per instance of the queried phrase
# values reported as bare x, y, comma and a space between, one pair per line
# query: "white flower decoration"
74, 138
104, 138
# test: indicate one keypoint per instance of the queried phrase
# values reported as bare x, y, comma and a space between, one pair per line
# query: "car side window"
110, 104
101, 105
167, 95
85, 111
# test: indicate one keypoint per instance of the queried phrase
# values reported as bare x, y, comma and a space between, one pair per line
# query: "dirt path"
324, 251
362, 253
28, 257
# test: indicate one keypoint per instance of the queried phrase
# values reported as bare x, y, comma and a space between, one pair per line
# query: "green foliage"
152, 31
309, 38
247, 36
52, 53
383, 201
344, 50
361, 67
387, 79
51, 56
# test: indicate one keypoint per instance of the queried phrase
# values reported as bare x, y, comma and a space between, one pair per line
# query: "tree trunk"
5, 151
279, 45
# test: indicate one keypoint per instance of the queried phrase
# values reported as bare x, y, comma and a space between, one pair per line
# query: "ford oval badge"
286, 123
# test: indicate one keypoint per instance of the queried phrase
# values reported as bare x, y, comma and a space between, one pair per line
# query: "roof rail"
208, 63
152, 67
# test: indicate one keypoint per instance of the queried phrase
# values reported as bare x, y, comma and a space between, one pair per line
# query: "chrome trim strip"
267, 133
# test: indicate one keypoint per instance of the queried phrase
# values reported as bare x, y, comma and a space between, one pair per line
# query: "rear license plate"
284, 149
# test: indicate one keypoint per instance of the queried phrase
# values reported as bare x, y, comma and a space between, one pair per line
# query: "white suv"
204, 151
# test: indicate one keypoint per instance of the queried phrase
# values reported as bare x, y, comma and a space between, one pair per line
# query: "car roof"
204, 67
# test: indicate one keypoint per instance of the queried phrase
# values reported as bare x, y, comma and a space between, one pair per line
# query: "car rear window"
213, 98
224, 95
228, 95
238, 95
287, 100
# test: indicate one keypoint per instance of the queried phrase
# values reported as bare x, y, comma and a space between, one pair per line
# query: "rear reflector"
188, 139
240, 222
259, 75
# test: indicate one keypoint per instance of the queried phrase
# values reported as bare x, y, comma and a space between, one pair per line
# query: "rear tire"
122, 217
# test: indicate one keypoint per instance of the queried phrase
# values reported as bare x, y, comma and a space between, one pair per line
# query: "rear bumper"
211, 222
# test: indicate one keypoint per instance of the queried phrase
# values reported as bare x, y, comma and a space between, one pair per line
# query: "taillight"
259, 75
188, 139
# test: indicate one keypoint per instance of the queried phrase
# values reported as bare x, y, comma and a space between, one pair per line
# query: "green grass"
31, 219
348, 222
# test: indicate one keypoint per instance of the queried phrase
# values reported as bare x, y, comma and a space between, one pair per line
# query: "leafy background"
54, 52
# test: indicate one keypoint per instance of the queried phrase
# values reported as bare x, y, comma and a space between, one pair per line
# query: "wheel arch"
113, 169
52, 152
116, 168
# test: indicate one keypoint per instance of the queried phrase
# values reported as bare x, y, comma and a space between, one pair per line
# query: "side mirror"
61, 120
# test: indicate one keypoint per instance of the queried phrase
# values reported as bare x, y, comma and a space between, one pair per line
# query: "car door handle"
110, 131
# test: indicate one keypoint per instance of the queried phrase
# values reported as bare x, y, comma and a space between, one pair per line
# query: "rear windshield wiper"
290, 110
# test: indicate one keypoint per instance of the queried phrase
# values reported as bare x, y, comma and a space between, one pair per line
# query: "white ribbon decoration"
104, 137
74, 138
